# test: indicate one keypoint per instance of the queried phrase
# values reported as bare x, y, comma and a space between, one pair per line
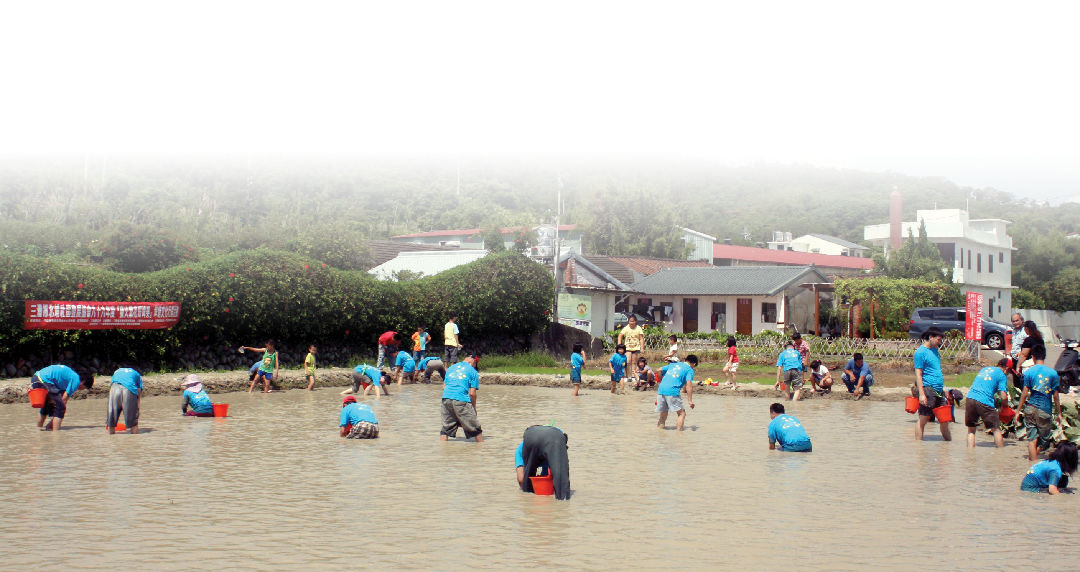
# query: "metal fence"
952, 350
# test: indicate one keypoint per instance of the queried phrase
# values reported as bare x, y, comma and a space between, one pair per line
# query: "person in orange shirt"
420, 341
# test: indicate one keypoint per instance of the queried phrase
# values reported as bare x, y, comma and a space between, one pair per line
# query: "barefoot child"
577, 360
405, 366
786, 433
309, 367
1052, 475
820, 377
789, 371
420, 341
676, 376
268, 368
644, 375
617, 366
732, 365
368, 377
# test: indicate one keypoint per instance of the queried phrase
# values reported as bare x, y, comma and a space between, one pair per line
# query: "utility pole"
558, 212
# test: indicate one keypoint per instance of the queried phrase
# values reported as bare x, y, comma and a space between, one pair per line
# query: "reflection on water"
274, 486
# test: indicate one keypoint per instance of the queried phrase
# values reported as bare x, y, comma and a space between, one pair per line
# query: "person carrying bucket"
125, 396
980, 401
544, 445
1041, 397
61, 382
357, 420
930, 383
196, 398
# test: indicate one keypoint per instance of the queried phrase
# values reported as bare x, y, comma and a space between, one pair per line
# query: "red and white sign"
54, 315
974, 318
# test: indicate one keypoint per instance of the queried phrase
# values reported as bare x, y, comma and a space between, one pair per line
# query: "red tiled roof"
753, 254
472, 231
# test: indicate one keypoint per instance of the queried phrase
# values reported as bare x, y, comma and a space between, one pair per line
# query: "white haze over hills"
981, 93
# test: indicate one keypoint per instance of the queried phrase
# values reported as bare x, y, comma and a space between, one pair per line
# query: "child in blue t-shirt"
617, 365
577, 359
1052, 475
406, 367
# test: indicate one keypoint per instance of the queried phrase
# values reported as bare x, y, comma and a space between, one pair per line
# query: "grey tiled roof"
727, 280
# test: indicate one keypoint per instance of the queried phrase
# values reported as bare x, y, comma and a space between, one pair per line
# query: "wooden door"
744, 316
690, 315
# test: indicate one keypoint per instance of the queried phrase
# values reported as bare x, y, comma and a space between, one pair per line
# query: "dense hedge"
247, 297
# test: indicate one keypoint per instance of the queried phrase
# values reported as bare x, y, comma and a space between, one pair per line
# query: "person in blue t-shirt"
789, 368
357, 420
857, 376
1041, 396
617, 366
431, 365
786, 432
61, 382
577, 359
674, 378
459, 400
196, 398
125, 396
929, 382
990, 381
519, 464
406, 367
1052, 475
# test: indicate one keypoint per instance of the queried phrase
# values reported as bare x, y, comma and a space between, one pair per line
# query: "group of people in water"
544, 447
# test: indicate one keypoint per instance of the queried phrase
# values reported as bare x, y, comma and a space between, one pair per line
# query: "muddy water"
272, 486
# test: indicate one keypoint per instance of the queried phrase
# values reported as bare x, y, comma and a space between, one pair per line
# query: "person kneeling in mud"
357, 420
644, 375
545, 445
786, 433
431, 365
196, 398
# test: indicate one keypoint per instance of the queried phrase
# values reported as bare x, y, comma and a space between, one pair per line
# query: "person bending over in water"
431, 365
1052, 475
196, 398
786, 433
980, 401
545, 445
61, 382
357, 420
368, 377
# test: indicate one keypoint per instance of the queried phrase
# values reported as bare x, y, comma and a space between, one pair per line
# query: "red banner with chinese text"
973, 320
56, 315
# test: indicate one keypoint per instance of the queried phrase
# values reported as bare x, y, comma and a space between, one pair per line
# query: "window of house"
960, 261
718, 318
978, 263
1001, 257
969, 260
768, 312
990, 263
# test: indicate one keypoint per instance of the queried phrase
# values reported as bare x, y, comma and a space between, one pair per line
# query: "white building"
817, 244
700, 243
979, 250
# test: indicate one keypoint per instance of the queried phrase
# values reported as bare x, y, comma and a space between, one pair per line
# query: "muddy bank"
14, 390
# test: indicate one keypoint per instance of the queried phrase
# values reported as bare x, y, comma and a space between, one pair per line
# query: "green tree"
918, 259
142, 248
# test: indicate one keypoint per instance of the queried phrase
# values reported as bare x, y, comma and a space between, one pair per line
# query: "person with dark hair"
676, 377
786, 433
420, 340
789, 372
125, 395
388, 344
452, 339
268, 367
545, 446
1019, 334
1052, 475
368, 377
61, 382
803, 348
980, 401
459, 400
1032, 337
820, 377
673, 352
644, 375
405, 366
430, 365
633, 336
357, 420
929, 382
732, 365
577, 360
617, 367
309, 366
857, 376
1041, 397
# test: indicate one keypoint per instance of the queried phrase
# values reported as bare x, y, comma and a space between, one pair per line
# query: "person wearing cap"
125, 395
357, 420
544, 447
61, 382
196, 398
459, 400
929, 382
988, 382
1040, 396
430, 365
789, 368
368, 377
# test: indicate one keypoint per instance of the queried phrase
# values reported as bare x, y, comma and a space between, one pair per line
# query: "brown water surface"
273, 486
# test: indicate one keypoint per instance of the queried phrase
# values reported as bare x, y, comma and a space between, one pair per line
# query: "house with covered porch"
742, 299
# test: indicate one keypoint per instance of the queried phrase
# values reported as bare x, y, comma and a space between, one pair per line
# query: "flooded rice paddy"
273, 486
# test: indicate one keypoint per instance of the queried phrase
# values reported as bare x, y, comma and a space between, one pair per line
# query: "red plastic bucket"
543, 485
911, 404
221, 410
943, 414
121, 427
1007, 414
37, 397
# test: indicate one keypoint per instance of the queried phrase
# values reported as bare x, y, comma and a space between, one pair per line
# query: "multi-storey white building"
979, 250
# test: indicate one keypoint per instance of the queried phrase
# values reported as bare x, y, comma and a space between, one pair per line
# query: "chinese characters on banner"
55, 315
973, 320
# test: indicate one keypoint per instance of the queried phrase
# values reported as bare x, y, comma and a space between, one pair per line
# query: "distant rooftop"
630, 268
789, 257
727, 280
838, 240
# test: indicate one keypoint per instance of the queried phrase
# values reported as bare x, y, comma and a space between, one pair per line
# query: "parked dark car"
945, 319
622, 319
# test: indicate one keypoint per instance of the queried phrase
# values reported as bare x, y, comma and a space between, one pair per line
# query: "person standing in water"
545, 445
675, 377
929, 382
459, 400
268, 367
